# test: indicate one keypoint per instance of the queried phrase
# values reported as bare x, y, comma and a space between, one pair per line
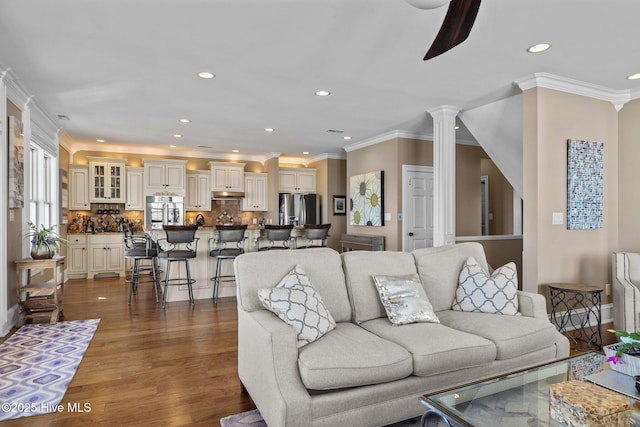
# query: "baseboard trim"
12, 318
606, 314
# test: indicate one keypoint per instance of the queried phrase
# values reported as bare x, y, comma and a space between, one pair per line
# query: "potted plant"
45, 242
623, 355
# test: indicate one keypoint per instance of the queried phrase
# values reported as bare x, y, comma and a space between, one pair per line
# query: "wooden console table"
40, 300
361, 242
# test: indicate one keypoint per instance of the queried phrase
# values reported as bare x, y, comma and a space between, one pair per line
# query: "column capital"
444, 110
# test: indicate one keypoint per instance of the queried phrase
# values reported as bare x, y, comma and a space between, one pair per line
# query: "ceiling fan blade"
456, 26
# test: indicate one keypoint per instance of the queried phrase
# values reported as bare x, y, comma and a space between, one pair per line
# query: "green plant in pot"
45, 242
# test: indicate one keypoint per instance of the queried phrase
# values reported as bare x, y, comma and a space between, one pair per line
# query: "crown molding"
372, 141
564, 84
635, 94
15, 91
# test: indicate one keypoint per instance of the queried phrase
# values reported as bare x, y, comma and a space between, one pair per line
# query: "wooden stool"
39, 300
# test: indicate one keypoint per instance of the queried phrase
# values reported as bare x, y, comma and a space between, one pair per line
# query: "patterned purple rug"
37, 364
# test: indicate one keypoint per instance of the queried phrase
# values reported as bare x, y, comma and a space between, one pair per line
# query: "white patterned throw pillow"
479, 292
296, 302
404, 299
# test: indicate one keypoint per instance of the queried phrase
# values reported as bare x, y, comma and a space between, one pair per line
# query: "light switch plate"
387, 216
557, 218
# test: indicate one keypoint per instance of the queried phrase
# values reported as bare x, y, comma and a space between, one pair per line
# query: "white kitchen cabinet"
106, 254
79, 188
77, 250
227, 176
255, 193
135, 195
106, 180
198, 197
297, 180
164, 176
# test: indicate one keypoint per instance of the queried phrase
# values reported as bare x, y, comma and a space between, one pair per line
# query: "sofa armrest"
268, 368
532, 305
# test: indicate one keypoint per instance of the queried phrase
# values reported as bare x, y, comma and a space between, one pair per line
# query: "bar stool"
277, 237
313, 232
182, 245
140, 247
227, 235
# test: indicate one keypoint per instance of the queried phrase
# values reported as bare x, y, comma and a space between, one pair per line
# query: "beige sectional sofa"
367, 372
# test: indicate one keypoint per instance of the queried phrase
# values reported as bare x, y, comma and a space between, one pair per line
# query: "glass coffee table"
522, 398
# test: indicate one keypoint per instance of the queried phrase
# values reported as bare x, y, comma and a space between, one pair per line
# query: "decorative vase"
42, 252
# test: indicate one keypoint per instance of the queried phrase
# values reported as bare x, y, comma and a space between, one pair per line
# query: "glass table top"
522, 398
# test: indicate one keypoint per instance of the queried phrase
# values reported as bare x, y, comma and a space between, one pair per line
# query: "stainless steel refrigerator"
299, 209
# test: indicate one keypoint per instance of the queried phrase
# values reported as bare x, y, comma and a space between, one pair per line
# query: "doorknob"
410, 234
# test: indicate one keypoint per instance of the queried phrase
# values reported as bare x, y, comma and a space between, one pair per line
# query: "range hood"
225, 195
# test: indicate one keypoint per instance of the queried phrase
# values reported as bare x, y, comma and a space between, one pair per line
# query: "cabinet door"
219, 175
154, 174
115, 257
235, 178
97, 258
191, 199
134, 201
203, 192
116, 183
174, 176
306, 181
79, 189
287, 182
260, 195
248, 203
99, 182
77, 257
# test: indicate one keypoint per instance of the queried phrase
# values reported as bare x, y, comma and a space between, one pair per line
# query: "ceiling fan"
456, 25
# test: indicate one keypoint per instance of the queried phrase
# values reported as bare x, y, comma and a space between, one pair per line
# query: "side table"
575, 307
39, 300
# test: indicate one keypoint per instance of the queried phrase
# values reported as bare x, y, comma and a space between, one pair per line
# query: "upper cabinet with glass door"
107, 180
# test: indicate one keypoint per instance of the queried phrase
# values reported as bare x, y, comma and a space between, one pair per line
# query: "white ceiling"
125, 70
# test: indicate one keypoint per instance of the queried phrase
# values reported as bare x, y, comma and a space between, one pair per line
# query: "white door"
417, 206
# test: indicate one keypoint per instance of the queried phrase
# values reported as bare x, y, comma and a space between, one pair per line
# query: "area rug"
254, 419
37, 364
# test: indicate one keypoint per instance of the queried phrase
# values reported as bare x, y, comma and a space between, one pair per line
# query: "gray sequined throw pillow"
296, 302
477, 291
404, 299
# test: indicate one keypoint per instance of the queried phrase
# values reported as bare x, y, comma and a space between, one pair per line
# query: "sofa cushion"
350, 356
512, 336
360, 266
295, 301
440, 267
404, 299
263, 269
480, 292
435, 348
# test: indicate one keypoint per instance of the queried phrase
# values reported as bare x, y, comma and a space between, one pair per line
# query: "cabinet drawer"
77, 239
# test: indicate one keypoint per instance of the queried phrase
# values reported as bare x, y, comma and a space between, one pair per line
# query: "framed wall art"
339, 205
584, 184
16, 164
366, 194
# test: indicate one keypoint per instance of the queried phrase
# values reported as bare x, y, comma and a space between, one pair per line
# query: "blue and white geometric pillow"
479, 292
295, 301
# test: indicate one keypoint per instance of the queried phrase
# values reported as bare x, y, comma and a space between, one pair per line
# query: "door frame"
405, 207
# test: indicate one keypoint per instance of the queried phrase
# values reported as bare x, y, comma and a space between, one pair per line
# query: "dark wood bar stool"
140, 247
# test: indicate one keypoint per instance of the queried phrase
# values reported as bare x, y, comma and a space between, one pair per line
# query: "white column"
444, 174
5, 322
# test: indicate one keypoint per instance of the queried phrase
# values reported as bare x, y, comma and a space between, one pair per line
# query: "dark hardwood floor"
147, 365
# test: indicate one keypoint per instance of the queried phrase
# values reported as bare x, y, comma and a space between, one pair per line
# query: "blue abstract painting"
584, 184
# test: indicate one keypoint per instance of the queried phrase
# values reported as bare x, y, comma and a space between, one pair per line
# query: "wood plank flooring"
147, 365
152, 366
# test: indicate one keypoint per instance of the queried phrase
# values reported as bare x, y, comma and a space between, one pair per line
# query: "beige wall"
551, 252
500, 199
468, 197
331, 181
629, 177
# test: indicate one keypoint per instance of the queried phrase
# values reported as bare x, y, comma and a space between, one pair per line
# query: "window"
42, 186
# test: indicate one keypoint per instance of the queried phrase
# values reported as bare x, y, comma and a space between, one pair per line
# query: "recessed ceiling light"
172, 146
634, 76
323, 93
185, 121
346, 137
206, 75
99, 140
177, 135
537, 48
305, 152
457, 127
235, 151
268, 129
